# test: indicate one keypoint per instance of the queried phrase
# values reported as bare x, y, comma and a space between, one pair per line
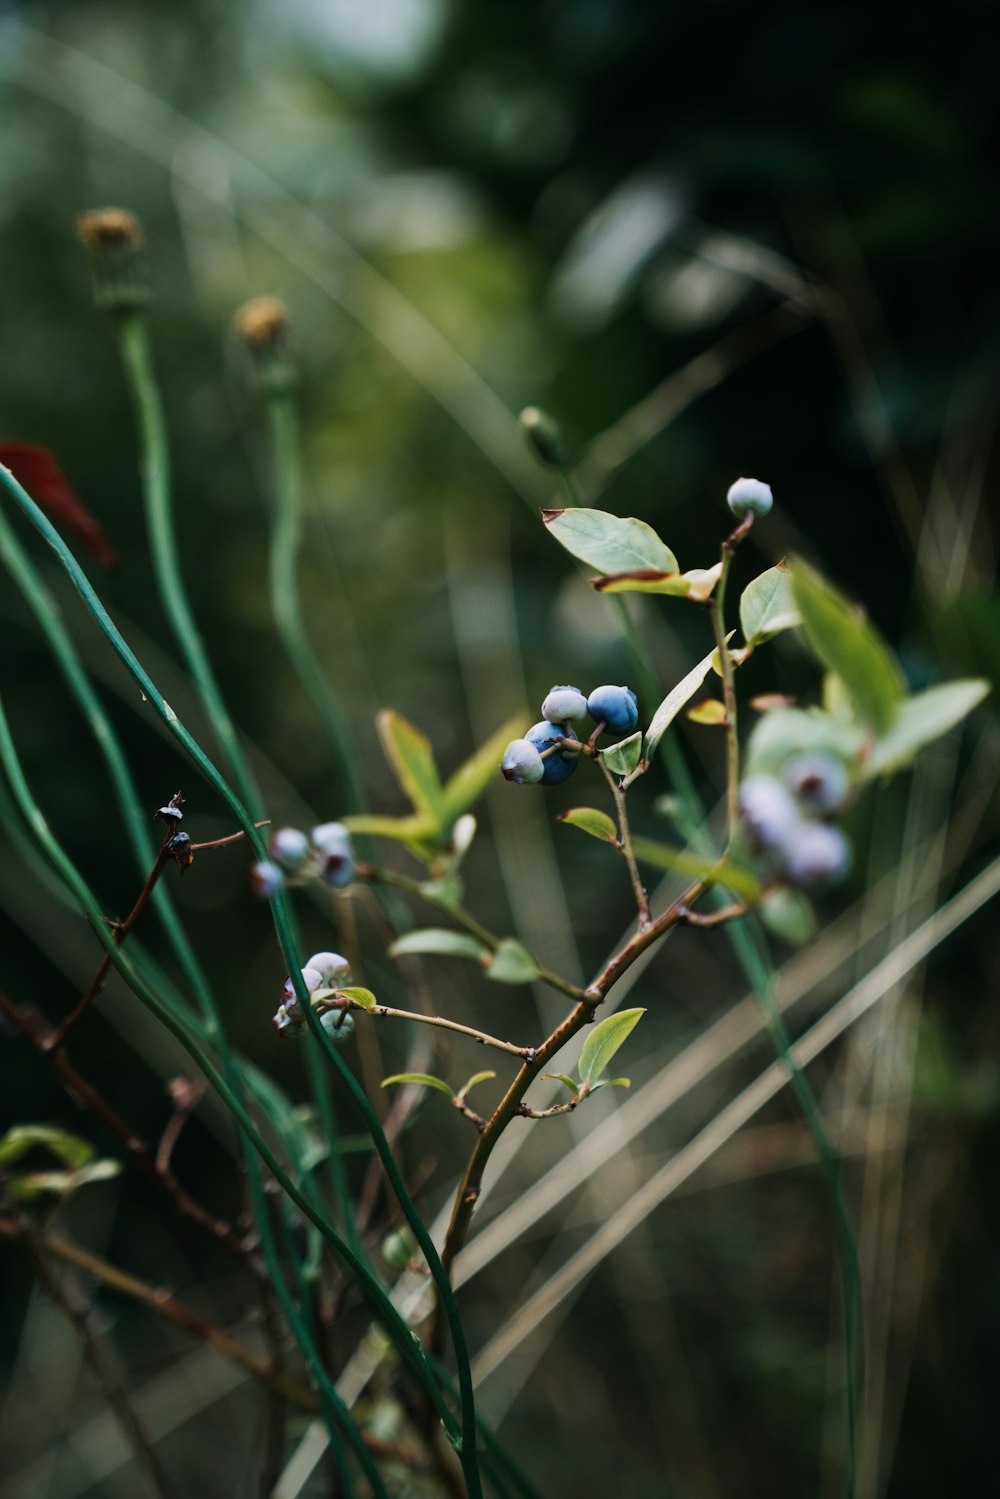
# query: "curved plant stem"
463, 1438
286, 604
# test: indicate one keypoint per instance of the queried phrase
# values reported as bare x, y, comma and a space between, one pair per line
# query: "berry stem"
625, 846
729, 546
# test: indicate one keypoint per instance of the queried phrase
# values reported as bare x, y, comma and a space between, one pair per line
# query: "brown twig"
36, 1030
17, 1226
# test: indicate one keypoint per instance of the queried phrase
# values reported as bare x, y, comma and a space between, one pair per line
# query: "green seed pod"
543, 436
399, 1248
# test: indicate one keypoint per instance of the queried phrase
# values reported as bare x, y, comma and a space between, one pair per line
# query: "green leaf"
24, 1137
30, 1184
798, 731
610, 543
844, 642
623, 757
590, 820
512, 964
696, 584
465, 787
421, 834
433, 939
562, 1077
788, 914
921, 719
363, 998
768, 606
669, 709
477, 1077
411, 758
715, 871
603, 1041
612, 1082
423, 1078
710, 712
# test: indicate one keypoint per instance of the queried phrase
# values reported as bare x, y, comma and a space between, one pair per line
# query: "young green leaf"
424, 1079
713, 871
448, 944
603, 1041
622, 758
27, 1185
611, 1082
710, 711
562, 1077
24, 1137
768, 606
610, 543
512, 964
922, 718
411, 758
363, 998
477, 1077
420, 834
590, 820
464, 788
843, 640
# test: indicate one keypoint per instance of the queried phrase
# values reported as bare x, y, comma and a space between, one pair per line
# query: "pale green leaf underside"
610, 543
512, 964
623, 757
440, 940
671, 706
921, 719
768, 606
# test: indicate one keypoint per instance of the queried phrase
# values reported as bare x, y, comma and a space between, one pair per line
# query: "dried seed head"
101, 228
262, 325
262, 320
113, 238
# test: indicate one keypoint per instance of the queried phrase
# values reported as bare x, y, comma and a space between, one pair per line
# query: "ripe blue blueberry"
749, 495
617, 706
815, 855
522, 763
266, 879
564, 704
288, 847
337, 856
769, 812
560, 763
819, 782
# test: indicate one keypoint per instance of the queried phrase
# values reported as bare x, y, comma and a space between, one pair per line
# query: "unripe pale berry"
288, 847
399, 1248
266, 879
814, 855
617, 706
769, 812
819, 782
749, 495
564, 704
334, 844
338, 1024
522, 763
560, 763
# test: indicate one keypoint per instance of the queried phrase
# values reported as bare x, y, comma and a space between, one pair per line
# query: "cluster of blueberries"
787, 817
324, 970
295, 858
549, 751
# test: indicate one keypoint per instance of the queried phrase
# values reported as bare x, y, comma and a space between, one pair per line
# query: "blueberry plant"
771, 850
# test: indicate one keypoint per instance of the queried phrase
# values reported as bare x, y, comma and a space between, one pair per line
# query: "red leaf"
36, 469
